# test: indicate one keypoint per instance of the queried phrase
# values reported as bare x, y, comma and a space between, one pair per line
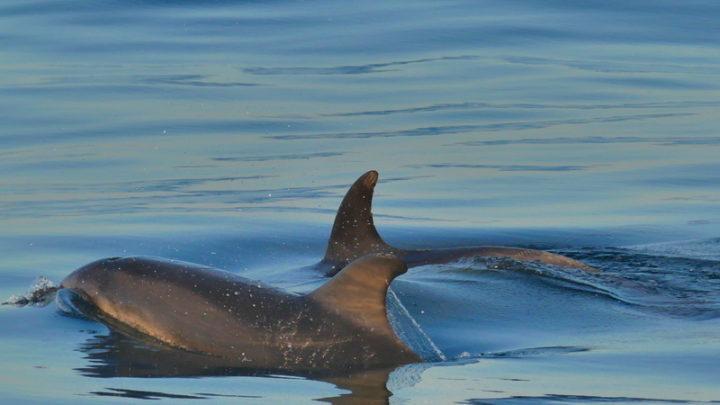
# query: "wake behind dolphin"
354, 234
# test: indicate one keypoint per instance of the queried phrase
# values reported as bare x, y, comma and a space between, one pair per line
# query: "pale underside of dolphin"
342, 325
354, 234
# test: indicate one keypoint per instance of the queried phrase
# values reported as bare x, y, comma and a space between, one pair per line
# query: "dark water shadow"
117, 355
137, 394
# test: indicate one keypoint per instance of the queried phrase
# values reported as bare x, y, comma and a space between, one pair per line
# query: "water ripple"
348, 69
532, 106
502, 126
193, 80
506, 168
660, 141
601, 66
266, 158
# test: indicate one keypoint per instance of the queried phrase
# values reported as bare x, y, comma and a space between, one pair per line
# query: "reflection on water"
114, 355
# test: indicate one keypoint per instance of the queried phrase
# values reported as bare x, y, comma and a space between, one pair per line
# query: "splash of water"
41, 292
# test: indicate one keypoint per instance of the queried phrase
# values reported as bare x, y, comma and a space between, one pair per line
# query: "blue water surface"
226, 132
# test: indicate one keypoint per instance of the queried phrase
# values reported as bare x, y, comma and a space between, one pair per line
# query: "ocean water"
226, 133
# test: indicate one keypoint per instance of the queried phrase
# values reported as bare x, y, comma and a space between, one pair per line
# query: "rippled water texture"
226, 132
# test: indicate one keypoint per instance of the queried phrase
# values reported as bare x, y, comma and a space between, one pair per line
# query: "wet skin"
341, 325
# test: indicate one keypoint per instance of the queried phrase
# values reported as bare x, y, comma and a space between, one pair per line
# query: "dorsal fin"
353, 233
358, 291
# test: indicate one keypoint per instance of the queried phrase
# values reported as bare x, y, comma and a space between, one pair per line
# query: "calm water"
226, 132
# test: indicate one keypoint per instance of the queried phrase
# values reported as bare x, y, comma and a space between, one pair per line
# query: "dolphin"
354, 234
342, 325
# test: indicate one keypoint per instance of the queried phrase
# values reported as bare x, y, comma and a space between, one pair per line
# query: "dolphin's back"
216, 312
178, 303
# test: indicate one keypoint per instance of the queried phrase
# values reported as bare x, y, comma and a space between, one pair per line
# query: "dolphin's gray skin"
341, 325
354, 234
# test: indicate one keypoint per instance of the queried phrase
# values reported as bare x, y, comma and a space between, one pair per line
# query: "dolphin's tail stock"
353, 233
41, 293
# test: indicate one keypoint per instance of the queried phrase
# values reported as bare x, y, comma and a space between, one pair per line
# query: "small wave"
567, 278
523, 353
680, 287
678, 278
703, 249
41, 292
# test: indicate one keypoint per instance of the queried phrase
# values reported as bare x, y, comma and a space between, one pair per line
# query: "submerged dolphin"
354, 234
341, 325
